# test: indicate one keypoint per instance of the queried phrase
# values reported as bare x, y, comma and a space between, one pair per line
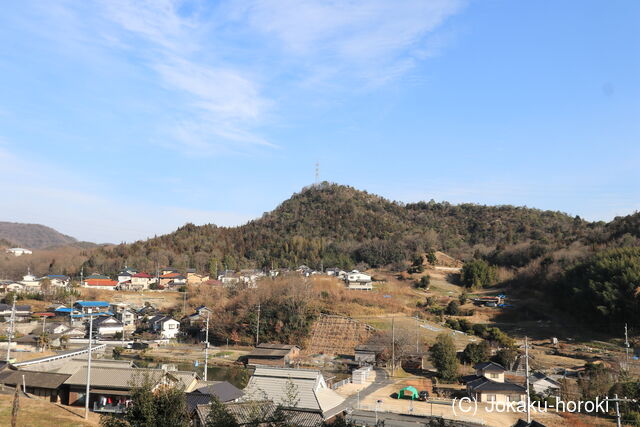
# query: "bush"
453, 308
424, 282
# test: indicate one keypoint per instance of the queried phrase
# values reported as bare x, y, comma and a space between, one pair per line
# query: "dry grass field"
40, 413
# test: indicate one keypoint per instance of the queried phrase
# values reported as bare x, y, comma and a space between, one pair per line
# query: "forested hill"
339, 225
33, 236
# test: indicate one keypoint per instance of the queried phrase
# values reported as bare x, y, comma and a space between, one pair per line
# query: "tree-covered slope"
332, 224
33, 236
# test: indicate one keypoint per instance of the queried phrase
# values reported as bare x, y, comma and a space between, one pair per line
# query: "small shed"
408, 391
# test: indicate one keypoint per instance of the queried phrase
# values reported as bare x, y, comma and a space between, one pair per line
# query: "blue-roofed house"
83, 308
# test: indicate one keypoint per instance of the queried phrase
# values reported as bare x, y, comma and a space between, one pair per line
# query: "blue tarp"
92, 303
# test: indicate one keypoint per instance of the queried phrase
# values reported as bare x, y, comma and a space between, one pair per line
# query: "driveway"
382, 380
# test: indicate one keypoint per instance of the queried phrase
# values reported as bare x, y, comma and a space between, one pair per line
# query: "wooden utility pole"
526, 366
15, 407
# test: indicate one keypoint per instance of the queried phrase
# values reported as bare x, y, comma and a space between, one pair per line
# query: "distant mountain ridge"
33, 236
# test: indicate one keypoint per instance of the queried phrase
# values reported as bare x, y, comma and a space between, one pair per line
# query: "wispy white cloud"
226, 67
223, 104
373, 40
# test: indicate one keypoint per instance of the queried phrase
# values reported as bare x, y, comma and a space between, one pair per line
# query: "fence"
340, 383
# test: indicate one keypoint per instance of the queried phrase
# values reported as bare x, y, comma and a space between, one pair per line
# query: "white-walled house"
107, 326
30, 282
19, 251
489, 385
358, 281
165, 326
141, 280
58, 280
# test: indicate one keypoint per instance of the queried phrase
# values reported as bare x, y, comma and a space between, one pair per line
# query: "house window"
494, 376
172, 326
513, 398
491, 397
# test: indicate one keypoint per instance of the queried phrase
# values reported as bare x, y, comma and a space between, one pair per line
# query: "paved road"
382, 380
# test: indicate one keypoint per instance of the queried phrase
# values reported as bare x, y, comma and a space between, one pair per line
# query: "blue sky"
122, 119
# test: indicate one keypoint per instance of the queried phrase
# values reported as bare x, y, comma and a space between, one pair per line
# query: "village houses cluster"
171, 279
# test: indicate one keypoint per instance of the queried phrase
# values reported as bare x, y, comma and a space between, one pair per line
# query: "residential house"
165, 326
250, 277
168, 270
19, 251
229, 277
107, 326
100, 281
44, 385
30, 282
544, 385
368, 354
128, 318
193, 278
33, 342
168, 280
125, 275
273, 354
111, 385
305, 271
205, 390
358, 281
23, 312
62, 329
84, 307
314, 396
58, 280
7, 286
199, 315
140, 281
336, 272
489, 385
245, 412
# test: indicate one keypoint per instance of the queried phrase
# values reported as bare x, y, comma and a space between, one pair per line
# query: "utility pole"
184, 301
526, 366
44, 320
86, 396
417, 336
626, 347
393, 346
617, 402
10, 332
258, 327
206, 348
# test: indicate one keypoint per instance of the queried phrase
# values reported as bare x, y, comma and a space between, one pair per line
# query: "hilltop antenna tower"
317, 173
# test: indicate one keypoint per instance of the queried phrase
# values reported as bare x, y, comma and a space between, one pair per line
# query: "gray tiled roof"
33, 379
246, 412
125, 378
268, 383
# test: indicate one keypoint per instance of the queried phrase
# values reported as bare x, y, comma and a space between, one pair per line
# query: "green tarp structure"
409, 391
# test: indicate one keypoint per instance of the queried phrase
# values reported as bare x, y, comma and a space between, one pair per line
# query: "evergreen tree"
444, 356
219, 415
